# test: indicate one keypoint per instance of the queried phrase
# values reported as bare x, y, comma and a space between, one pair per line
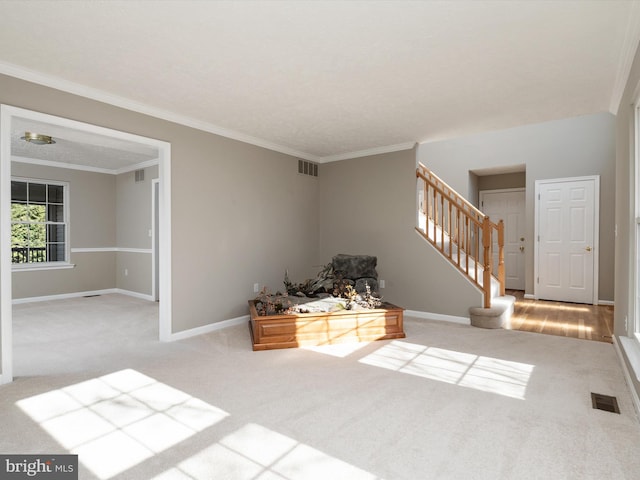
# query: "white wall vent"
139, 175
307, 168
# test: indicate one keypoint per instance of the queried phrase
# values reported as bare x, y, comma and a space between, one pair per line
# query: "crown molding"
132, 105
85, 168
365, 153
137, 166
118, 101
70, 166
627, 54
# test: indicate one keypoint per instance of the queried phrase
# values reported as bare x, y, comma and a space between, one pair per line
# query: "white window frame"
23, 267
635, 297
630, 341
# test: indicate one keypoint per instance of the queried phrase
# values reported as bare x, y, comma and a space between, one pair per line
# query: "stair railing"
459, 231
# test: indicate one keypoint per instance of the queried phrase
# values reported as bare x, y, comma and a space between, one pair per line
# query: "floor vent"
604, 402
89, 296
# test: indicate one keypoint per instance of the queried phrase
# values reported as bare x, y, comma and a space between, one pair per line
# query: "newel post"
501, 277
486, 246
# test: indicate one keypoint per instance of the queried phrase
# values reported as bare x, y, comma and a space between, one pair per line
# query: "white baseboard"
627, 377
143, 296
530, 296
62, 296
212, 327
438, 316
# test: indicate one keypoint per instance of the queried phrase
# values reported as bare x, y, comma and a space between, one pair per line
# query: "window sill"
631, 347
30, 267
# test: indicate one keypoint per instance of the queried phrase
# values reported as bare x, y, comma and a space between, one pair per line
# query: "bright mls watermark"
51, 467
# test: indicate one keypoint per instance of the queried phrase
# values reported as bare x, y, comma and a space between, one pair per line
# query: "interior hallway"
590, 322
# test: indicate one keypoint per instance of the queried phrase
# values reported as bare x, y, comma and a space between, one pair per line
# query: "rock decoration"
356, 270
349, 281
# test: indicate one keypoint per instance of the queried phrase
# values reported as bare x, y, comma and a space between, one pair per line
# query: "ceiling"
327, 80
75, 148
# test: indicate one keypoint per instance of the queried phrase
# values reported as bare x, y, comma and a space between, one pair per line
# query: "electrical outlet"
626, 326
381, 283
126, 272
256, 287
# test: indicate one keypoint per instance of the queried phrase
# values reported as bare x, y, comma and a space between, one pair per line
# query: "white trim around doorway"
7, 113
596, 230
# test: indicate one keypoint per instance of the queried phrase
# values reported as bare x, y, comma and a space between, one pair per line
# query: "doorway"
9, 115
509, 206
155, 233
566, 233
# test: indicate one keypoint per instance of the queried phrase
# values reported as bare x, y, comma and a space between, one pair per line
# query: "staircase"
470, 241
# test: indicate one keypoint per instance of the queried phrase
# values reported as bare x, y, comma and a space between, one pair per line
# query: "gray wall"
92, 224
624, 198
500, 182
240, 214
133, 222
570, 147
133, 209
479, 183
367, 206
105, 211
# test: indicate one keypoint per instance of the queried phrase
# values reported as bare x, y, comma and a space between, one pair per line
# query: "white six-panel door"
567, 235
509, 206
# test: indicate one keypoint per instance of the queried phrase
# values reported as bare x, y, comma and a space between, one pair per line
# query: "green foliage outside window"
32, 233
37, 222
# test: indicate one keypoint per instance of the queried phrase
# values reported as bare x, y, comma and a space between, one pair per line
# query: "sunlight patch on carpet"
487, 374
254, 452
117, 421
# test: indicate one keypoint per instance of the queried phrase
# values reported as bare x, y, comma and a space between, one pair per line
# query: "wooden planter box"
325, 328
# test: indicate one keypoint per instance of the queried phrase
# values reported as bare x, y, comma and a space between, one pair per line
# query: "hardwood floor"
589, 322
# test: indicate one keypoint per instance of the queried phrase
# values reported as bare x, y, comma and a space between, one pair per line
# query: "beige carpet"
447, 402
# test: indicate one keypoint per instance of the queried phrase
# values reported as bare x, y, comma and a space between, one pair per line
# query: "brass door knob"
588, 249
522, 248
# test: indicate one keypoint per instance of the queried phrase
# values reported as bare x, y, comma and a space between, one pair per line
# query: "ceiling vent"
139, 175
308, 168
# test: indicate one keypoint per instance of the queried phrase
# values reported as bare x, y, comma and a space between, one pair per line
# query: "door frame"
511, 190
7, 113
500, 190
155, 236
596, 229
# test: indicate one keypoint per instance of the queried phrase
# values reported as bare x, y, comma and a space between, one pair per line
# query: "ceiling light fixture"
37, 138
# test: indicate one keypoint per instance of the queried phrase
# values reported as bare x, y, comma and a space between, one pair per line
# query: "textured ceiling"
77, 148
322, 79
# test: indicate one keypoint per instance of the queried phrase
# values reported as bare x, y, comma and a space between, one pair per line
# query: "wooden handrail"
456, 198
450, 219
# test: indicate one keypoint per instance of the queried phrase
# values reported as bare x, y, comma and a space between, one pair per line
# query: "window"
630, 342
39, 222
636, 227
